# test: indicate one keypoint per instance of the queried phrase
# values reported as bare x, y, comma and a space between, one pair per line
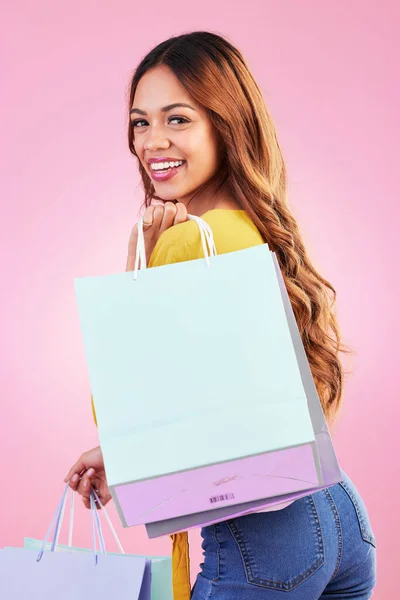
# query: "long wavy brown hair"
217, 76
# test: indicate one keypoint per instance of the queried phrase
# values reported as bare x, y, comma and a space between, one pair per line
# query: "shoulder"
232, 230
176, 244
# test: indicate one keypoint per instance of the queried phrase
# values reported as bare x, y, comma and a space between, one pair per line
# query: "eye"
136, 123
178, 119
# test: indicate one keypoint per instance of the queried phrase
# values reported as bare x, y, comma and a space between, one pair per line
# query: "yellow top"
232, 230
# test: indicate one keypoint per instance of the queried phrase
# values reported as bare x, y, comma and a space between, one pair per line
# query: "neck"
201, 203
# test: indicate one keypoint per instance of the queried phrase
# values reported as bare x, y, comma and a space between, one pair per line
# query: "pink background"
70, 196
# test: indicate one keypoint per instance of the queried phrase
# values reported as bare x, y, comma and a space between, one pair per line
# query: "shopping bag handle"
106, 515
207, 237
71, 522
96, 525
57, 519
71, 517
207, 241
94, 512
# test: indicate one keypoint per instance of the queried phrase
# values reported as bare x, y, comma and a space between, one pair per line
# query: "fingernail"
75, 478
85, 483
90, 472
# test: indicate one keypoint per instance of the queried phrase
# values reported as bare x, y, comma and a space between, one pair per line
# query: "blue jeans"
321, 546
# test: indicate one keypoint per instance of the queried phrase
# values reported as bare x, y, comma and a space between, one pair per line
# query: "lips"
164, 176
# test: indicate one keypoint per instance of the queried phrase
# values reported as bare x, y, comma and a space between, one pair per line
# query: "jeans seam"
209, 590
364, 533
233, 532
338, 524
218, 552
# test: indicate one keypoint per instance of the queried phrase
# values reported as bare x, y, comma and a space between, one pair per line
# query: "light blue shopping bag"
331, 471
46, 574
213, 371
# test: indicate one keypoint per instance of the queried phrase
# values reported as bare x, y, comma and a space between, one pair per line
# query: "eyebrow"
164, 109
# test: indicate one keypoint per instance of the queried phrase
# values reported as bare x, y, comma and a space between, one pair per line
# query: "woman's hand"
156, 220
89, 472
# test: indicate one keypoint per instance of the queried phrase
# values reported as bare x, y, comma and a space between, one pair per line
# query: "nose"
155, 140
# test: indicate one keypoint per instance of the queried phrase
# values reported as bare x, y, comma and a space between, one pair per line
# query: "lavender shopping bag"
161, 566
46, 575
237, 366
330, 468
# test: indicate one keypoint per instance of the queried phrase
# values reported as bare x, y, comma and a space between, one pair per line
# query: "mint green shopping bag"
213, 371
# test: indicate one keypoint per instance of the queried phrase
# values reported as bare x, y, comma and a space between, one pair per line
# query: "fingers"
91, 459
74, 473
148, 217
89, 472
168, 216
102, 491
181, 213
157, 218
85, 483
163, 216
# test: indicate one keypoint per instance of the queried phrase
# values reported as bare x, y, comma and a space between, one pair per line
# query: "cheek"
206, 163
201, 152
138, 142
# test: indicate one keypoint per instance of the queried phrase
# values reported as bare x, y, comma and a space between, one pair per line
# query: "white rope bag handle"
95, 521
207, 241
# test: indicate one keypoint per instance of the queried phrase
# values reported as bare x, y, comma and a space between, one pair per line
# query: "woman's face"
179, 133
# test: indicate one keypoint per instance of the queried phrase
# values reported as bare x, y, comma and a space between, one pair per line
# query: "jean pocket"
361, 511
264, 538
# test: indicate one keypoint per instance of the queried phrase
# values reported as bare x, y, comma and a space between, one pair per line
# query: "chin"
167, 197
171, 196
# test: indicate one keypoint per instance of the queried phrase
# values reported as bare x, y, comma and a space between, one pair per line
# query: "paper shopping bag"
331, 471
39, 573
161, 567
66, 575
238, 406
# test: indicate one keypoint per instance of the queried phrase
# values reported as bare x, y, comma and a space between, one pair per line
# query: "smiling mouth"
168, 168
166, 174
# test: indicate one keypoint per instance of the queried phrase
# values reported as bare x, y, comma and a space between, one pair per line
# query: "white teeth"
165, 165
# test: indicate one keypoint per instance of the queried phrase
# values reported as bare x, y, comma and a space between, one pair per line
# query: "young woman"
206, 145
